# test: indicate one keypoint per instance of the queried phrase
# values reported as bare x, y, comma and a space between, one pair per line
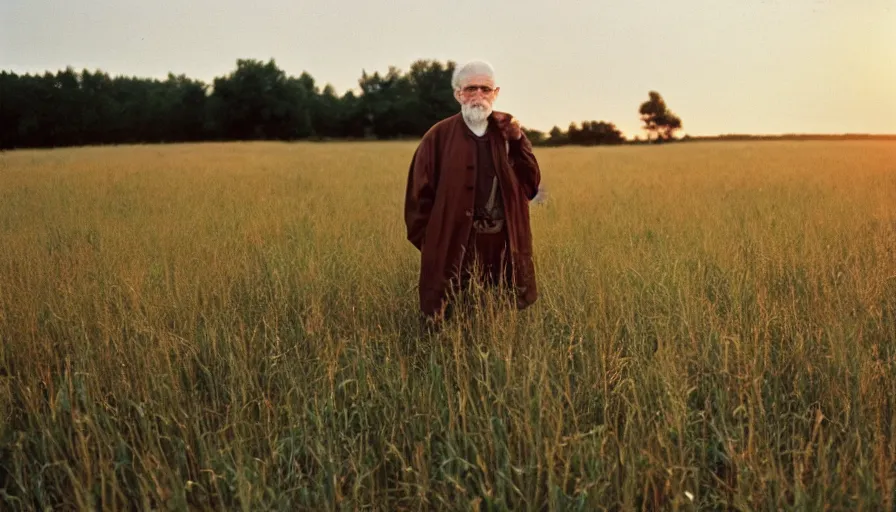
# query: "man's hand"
509, 125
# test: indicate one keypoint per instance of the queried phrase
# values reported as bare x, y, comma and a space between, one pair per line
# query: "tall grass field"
235, 327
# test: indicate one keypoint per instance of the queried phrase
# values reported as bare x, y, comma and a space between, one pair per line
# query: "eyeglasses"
470, 89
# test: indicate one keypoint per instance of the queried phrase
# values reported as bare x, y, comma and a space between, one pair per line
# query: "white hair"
472, 68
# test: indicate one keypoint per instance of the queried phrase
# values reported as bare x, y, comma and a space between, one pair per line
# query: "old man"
467, 198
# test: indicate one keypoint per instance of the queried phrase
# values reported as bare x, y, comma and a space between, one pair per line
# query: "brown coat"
439, 206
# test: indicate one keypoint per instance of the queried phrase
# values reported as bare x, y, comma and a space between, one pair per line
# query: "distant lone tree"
658, 119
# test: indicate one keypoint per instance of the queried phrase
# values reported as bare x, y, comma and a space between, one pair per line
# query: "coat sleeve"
420, 192
525, 166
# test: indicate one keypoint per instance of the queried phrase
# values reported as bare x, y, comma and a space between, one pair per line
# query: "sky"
723, 66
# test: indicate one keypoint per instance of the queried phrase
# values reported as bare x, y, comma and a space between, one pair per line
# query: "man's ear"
457, 96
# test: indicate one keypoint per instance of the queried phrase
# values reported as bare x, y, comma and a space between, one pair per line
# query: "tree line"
256, 101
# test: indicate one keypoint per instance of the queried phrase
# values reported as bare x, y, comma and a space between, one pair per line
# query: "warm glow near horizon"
765, 67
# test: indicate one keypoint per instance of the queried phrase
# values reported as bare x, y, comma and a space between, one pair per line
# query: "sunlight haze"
762, 67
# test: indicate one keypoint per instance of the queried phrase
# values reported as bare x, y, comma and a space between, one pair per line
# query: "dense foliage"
257, 101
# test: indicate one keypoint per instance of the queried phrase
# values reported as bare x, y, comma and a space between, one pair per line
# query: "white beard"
476, 117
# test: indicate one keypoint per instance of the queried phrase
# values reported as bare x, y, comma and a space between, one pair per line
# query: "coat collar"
490, 131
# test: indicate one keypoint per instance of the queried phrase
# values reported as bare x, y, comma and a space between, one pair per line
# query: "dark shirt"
488, 205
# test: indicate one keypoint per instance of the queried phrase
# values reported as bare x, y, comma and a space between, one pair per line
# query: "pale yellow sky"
725, 66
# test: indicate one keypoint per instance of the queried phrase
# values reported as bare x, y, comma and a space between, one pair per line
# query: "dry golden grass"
234, 326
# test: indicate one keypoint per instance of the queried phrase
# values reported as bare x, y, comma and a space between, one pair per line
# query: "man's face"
477, 93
